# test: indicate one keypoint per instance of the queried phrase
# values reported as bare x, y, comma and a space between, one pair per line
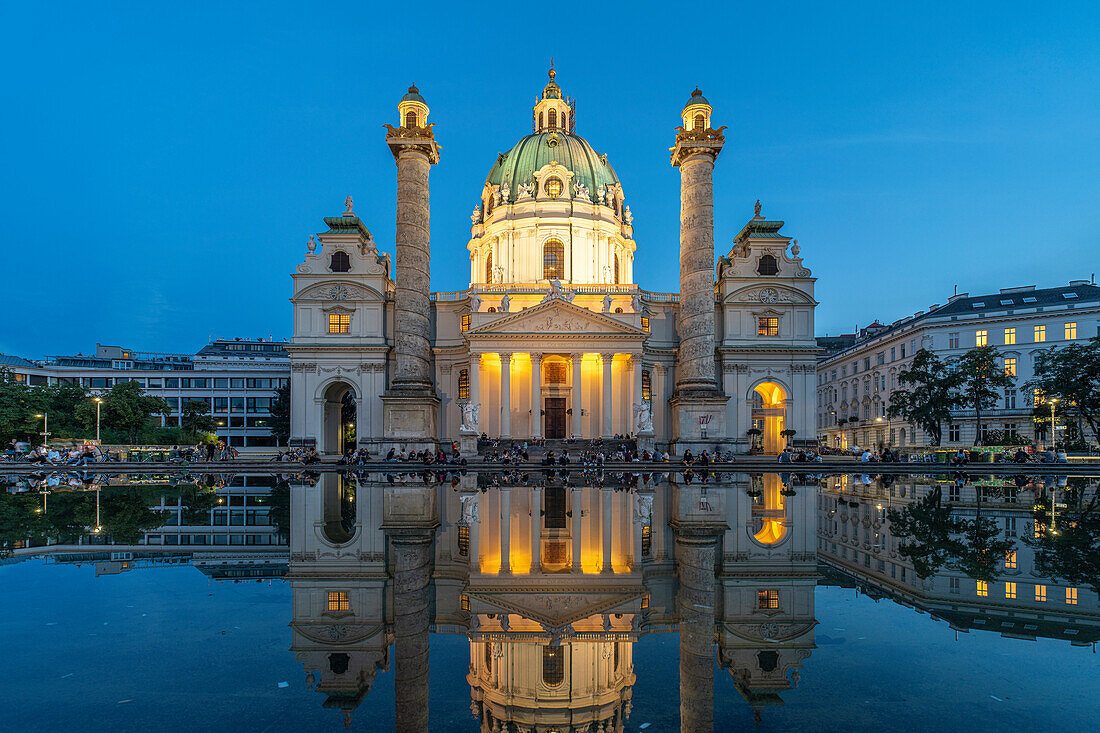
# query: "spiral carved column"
695, 560
412, 572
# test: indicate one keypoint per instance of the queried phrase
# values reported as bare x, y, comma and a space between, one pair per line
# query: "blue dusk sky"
164, 163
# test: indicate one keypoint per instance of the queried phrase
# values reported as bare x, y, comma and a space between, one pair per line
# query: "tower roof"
696, 98
413, 95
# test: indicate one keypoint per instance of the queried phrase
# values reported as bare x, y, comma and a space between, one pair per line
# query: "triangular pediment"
555, 317
556, 609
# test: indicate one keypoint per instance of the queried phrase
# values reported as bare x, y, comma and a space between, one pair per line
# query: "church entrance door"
555, 417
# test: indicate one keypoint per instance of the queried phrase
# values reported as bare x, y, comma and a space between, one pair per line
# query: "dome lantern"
412, 110
552, 111
696, 114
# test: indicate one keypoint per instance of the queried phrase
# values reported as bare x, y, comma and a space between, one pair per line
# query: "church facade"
554, 337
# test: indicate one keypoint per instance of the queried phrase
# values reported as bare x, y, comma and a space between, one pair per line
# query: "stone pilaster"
412, 572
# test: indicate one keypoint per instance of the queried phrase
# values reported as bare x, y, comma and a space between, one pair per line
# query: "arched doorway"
769, 510
338, 495
339, 418
769, 416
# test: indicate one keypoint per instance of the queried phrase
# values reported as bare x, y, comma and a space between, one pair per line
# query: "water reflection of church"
552, 584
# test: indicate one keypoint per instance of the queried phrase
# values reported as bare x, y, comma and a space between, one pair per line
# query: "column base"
409, 419
688, 433
467, 443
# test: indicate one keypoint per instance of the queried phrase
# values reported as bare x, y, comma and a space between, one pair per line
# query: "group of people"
75, 455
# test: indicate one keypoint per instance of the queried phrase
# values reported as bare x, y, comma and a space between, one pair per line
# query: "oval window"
553, 188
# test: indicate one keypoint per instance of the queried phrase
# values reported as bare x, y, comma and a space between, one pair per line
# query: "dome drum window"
553, 259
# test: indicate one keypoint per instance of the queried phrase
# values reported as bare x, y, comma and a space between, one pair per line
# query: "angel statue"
471, 414
470, 513
643, 416
475, 302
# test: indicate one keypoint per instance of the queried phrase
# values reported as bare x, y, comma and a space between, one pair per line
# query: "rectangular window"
465, 321
338, 600
464, 540
880, 359
866, 363
221, 404
983, 588
1010, 560
172, 383
1071, 596
953, 433
767, 599
645, 323
1010, 366
1010, 590
893, 353
981, 338
954, 585
1010, 394
236, 383
463, 384
767, 326
464, 602
1071, 331
236, 404
221, 383
339, 322
647, 540
903, 351
1010, 336
952, 340
647, 385
1040, 334
1041, 594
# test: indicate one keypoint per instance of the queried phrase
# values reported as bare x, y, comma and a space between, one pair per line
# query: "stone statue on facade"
505, 303
505, 190
476, 216
607, 304
470, 510
498, 274
471, 416
643, 416
601, 194
555, 290
607, 274
580, 191
628, 216
475, 302
347, 207
756, 208
643, 509
525, 191
636, 303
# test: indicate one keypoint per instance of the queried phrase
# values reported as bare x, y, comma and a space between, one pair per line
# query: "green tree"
280, 414
16, 409
1072, 375
1072, 553
126, 516
926, 394
126, 408
928, 532
196, 417
981, 379
981, 548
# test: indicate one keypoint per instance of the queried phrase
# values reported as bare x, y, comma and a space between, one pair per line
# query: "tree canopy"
927, 393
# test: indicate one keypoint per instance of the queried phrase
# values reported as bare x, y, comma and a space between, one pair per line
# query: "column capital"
505, 357
576, 357
607, 357
536, 357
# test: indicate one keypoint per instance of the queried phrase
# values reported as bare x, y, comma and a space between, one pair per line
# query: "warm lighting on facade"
338, 600
1071, 596
983, 588
1041, 593
1010, 590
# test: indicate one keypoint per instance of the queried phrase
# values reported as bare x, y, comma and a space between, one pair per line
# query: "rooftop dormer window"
767, 266
340, 262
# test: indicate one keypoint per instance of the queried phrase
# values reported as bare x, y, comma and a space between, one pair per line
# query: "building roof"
413, 95
1008, 299
15, 361
244, 347
532, 152
696, 98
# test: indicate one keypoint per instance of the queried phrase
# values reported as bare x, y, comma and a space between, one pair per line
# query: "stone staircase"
538, 452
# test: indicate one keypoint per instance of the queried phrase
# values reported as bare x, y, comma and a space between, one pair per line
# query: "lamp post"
98, 404
45, 428
98, 526
1053, 437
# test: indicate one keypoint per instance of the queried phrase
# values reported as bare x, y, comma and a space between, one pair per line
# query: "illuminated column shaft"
695, 556
577, 401
605, 528
605, 409
695, 370
412, 563
505, 530
536, 529
576, 525
505, 395
413, 245
536, 395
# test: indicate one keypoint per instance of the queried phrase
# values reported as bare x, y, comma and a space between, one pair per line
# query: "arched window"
491, 309
410, 119
338, 662
553, 260
565, 121
767, 266
489, 266
488, 656
616, 269
553, 665
340, 262
618, 310
541, 123
553, 120
700, 121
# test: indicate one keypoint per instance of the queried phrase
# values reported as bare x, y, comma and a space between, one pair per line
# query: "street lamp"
98, 526
1053, 437
45, 428
98, 404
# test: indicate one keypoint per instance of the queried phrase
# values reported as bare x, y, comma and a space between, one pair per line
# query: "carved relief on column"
412, 564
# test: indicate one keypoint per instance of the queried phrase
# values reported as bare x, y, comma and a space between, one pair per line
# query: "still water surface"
550, 603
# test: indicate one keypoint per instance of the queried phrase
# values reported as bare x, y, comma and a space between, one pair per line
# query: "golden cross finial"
552, 72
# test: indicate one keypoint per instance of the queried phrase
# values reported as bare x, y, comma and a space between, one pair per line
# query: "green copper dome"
532, 152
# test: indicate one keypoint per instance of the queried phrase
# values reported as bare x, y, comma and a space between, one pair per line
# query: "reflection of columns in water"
605, 531
412, 561
505, 529
575, 526
695, 556
577, 388
536, 529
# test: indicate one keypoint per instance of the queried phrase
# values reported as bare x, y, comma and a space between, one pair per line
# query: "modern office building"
854, 384
237, 377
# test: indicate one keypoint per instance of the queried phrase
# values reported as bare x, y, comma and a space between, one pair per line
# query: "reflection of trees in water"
1069, 551
935, 539
280, 508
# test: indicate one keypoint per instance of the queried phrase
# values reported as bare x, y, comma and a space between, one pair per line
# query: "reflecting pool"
548, 601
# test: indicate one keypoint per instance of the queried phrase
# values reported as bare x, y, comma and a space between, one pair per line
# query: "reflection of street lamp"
1053, 437
98, 404
98, 527
45, 427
